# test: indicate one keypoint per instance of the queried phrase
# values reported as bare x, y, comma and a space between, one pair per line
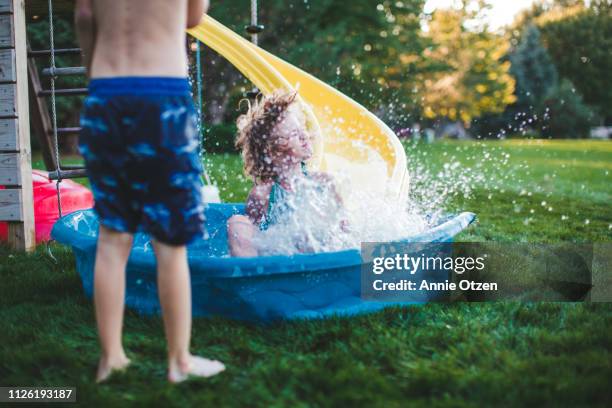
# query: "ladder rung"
72, 167
64, 92
254, 29
68, 174
66, 130
59, 51
64, 71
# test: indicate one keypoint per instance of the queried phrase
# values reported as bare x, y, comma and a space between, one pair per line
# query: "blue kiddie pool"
261, 288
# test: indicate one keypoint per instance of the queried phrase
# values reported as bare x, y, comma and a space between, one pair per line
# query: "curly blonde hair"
255, 133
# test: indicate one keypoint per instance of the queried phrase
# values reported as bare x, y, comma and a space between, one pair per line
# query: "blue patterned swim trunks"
140, 143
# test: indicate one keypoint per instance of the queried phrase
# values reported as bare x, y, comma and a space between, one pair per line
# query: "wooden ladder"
40, 117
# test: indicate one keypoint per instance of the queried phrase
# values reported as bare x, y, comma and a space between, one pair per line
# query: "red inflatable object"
74, 197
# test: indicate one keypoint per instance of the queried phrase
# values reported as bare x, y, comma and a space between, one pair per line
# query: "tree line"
546, 74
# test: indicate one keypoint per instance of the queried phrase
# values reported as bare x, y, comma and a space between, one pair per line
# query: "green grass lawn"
464, 354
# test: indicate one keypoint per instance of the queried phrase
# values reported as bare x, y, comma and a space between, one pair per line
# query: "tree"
475, 80
564, 114
579, 40
532, 68
554, 108
369, 50
546, 103
535, 76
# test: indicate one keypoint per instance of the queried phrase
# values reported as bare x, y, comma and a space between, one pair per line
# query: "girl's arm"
257, 202
328, 180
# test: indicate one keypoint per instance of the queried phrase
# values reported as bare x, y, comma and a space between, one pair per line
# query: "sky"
502, 12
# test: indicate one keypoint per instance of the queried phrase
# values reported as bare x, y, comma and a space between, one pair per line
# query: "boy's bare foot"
109, 365
193, 366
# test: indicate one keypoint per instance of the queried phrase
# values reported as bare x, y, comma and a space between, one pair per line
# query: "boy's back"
141, 37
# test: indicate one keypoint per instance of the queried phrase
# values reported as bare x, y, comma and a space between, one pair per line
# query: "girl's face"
293, 140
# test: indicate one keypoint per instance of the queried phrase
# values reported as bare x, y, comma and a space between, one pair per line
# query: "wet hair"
256, 133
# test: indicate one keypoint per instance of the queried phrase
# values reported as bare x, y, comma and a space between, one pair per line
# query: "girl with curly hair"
275, 143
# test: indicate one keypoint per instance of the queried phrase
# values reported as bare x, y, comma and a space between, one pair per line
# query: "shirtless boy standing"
139, 141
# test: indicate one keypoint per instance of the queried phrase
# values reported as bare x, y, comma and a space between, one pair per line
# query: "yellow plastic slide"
355, 146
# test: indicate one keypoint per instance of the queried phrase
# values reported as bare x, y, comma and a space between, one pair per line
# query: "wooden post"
16, 200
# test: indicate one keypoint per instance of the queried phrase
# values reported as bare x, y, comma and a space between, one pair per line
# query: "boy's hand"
86, 30
195, 11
